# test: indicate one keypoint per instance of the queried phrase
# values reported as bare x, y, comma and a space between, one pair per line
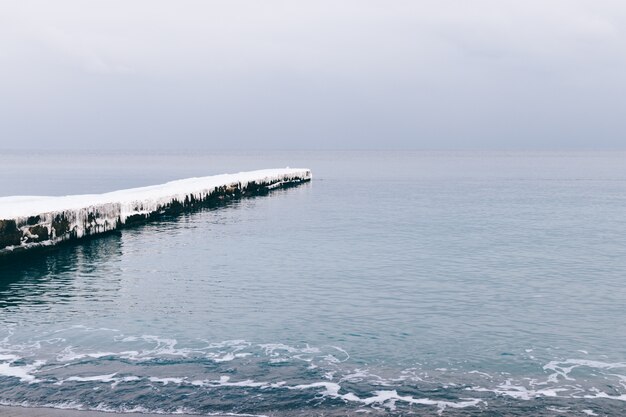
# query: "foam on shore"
70, 411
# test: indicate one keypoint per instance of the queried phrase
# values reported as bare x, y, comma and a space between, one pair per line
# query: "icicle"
28, 222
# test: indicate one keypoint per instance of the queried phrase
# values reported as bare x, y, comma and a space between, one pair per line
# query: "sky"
313, 74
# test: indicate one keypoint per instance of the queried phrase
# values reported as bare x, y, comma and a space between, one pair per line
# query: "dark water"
393, 284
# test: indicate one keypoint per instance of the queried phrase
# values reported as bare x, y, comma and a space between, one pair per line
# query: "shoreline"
20, 411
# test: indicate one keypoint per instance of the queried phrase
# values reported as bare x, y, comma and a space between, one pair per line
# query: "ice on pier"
28, 221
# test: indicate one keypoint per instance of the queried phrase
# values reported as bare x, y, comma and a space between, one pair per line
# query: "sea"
453, 283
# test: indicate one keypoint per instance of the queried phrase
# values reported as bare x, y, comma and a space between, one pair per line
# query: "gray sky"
311, 74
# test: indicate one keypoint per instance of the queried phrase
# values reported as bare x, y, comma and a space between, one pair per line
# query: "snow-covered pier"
30, 222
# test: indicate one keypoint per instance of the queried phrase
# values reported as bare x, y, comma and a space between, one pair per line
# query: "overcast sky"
311, 74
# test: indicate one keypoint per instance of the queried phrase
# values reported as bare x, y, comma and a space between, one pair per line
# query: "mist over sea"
395, 283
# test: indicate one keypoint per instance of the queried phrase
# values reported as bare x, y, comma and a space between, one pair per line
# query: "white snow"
96, 213
144, 199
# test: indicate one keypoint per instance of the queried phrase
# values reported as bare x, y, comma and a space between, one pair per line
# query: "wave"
146, 366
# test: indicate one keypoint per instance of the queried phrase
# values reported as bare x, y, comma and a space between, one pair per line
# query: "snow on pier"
27, 222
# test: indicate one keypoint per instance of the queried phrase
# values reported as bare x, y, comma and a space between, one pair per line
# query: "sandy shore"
55, 412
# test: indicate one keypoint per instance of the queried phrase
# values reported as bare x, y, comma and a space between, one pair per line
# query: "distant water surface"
396, 283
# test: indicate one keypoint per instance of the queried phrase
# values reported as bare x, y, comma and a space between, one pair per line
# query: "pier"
30, 222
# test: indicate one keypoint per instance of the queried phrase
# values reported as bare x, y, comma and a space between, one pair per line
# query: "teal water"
396, 283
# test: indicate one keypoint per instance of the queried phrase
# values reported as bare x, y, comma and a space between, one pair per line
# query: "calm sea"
395, 283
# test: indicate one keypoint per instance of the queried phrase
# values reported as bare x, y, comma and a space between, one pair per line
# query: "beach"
6, 411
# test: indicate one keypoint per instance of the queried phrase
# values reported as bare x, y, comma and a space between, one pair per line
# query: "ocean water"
395, 283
